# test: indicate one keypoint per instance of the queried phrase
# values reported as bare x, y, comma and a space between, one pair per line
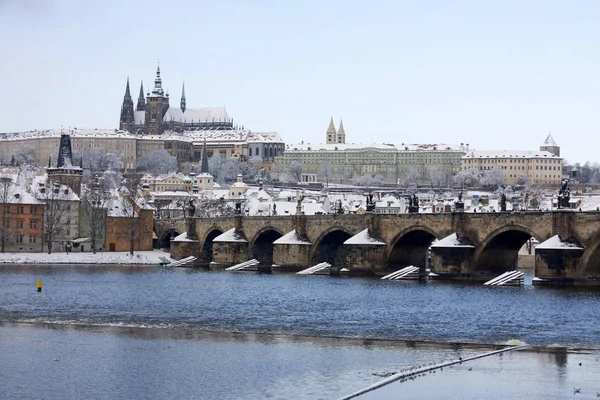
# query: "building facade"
394, 162
519, 166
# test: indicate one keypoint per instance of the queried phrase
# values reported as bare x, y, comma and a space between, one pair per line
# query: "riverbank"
153, 257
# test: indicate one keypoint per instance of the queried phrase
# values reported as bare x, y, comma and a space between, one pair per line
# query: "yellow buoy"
39, 286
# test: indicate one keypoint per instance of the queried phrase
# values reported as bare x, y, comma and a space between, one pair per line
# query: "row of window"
20, 238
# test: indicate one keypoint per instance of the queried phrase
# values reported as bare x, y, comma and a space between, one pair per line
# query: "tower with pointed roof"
141, 104
550, 146
66, 172
157, 104
127, 121
205, 179
331, 135
182, 105
341, 133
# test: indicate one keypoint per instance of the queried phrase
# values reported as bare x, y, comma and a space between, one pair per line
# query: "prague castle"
154, 115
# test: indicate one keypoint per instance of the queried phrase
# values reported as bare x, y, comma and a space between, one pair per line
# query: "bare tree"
436, 178
94, 208
6, 195
412, 177
131, 199
325, 172
56, 206
295, 171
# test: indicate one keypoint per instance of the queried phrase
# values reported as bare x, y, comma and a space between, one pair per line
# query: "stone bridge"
471, 245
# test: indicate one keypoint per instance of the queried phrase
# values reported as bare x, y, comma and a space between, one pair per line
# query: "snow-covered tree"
223, 169
4, 158
295, 171
158, 162
522, 179
466, 178
369, 180
436, 178
24, 154
493, 178
412, 177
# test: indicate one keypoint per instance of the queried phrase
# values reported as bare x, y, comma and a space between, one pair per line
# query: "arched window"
250, 152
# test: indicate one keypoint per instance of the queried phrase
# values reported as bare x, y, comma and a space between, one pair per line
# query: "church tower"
331, 133
126, 121
341, 133
157, 104
182, 106
141, 105
550, 146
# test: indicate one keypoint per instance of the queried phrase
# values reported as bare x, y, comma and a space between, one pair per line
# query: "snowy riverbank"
140, 257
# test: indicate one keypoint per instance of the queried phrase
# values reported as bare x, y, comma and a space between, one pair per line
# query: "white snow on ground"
555, 243
364, 237
114, 258
292, 238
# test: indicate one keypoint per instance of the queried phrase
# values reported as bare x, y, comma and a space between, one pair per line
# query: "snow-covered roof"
453, 241
364, 237
383, 147
18, 195
292, 238
139, 117
75, 133
556, 243
485, 154
231, 235
196, 115
549, 141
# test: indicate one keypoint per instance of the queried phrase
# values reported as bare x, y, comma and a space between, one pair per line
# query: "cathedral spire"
331, 134
158, 90
204, 165
126, 121
141, 104
183, 97
341, 133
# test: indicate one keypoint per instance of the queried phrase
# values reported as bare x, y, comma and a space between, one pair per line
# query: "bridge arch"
206, 255
167, 236
329, 247
261, 246
590, 260
410, 247
498, 252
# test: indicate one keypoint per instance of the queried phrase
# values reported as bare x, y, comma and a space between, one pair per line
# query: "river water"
145, 332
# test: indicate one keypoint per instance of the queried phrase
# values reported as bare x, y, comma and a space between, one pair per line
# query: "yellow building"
537, 167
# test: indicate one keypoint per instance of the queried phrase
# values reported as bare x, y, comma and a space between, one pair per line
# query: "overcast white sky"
496, 75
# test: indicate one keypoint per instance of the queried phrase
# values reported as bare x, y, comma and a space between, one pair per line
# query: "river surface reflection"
140, 332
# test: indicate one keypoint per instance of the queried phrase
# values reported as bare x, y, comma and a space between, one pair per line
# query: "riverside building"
519, 166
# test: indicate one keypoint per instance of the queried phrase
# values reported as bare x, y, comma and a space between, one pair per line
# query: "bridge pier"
558, 262
365, 254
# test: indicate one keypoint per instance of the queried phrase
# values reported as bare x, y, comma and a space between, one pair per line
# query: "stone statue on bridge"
564, 195
191, 209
